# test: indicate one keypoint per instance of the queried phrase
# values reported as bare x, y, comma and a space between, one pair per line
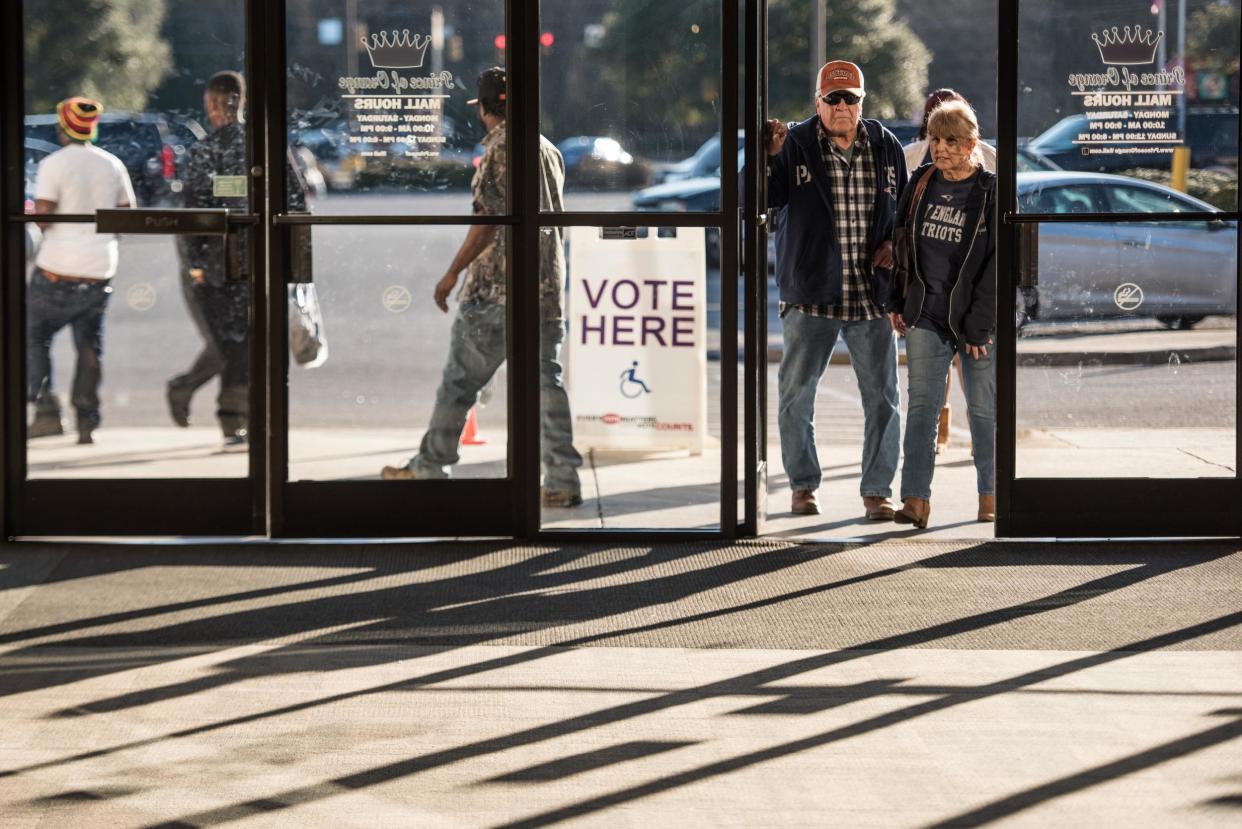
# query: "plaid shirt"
853, 188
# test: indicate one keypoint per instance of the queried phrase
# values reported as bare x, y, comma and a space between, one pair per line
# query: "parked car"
599, 162
1211, 135
338, 161
906, 131
1031, 161
153, 148
704, 162
694, 195
1184, 271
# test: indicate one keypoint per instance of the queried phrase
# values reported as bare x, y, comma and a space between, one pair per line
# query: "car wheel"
1178, 323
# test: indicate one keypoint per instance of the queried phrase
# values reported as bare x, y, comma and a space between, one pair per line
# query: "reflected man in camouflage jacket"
477, 348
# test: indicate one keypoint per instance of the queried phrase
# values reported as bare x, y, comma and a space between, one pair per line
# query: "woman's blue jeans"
928, 356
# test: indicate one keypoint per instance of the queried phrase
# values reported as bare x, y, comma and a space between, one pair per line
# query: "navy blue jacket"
808, 256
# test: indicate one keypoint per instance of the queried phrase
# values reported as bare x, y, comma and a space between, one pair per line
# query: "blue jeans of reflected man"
928, 356
49, 308
476, 350
809, 342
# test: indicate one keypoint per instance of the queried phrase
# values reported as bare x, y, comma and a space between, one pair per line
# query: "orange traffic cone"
470, 434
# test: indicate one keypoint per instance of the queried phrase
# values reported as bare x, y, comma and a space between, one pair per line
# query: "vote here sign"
636, 351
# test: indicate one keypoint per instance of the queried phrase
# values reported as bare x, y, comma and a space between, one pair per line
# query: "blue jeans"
476, 350
809, 342
928, 356
50, 306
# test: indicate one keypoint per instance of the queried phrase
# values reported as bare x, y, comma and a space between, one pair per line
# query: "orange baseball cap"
839, 76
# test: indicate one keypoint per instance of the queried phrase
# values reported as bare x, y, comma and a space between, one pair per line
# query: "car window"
1070, 198
1141, 200
707, 158
1060, 134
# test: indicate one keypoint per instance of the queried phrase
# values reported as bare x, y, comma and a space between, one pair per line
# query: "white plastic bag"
308, 344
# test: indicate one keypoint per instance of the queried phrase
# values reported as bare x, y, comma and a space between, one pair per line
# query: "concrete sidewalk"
1130, 342
770, 684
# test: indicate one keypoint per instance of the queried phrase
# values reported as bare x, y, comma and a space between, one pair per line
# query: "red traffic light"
499, 41
546, 39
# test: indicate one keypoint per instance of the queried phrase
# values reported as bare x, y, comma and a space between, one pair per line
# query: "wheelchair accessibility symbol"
631, 386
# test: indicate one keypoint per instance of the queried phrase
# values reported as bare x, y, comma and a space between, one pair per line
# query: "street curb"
1226, 353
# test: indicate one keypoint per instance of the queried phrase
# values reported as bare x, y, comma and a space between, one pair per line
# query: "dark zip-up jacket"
972, 296
808, 255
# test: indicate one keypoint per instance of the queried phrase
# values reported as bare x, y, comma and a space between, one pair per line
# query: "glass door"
1119, 257
638, 371
393, 407
133, 239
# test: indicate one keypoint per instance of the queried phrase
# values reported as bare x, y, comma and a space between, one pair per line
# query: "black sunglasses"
834, 98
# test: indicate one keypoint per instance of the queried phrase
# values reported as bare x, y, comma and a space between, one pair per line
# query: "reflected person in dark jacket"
946, 254
838, 177
216, 269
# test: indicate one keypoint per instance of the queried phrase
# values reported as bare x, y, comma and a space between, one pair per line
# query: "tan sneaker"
804, 502
878, 508
397, 473
559, 498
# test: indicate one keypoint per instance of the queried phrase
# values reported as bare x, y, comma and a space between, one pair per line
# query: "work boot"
878, 508
987, 507
179, 405
914, 511
45, 425
87, 424
804, 502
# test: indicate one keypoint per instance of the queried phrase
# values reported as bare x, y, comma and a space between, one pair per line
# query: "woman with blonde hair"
918, 153
946, 259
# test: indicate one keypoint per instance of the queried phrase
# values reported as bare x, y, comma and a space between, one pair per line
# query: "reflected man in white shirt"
70, 284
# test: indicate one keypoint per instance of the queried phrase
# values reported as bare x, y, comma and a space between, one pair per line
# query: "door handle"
207, 221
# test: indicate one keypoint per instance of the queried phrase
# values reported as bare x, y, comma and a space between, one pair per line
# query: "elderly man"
838, 176
478, 340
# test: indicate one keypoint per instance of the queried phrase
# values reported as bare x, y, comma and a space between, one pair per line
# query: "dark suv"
153, 149
1211, 134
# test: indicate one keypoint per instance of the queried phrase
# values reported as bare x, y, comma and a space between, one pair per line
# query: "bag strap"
919, 187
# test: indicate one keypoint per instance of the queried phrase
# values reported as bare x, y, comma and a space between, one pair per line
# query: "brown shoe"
987, 507
804, 502
914, 511
942, 429
878, 508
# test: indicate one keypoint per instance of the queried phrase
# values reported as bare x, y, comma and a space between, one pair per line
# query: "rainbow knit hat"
79, 118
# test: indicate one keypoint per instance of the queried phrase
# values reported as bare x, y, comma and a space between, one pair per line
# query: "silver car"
1176, 272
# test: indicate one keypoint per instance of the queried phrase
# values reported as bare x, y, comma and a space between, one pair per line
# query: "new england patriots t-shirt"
940, 232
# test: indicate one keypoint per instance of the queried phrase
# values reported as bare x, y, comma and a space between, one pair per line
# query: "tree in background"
110, 50
1212, 42
658, 83
893, 59
962, 37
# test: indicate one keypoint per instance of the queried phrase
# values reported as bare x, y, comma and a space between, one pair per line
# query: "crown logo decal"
1131, 46
396, 50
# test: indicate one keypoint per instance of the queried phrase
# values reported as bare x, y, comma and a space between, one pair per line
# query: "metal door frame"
1080, 507
181, 506
266, 503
